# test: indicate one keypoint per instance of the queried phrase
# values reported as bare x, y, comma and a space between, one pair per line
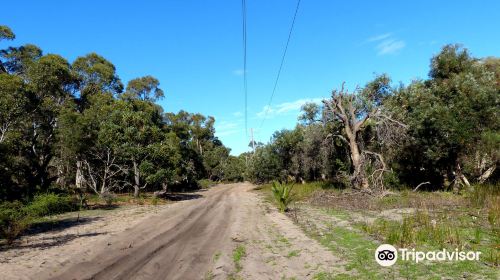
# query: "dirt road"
228, 232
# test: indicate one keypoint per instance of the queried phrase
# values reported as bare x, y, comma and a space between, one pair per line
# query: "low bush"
15, 217
13, 220
206, 183
50, 204
108, 198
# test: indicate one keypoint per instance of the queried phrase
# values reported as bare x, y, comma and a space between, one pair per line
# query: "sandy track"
196, 239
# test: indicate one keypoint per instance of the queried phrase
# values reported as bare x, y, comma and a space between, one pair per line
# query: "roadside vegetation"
72, 133
353, 225
410, 165
442, 133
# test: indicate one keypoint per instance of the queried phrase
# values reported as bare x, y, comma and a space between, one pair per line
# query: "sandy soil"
191, 239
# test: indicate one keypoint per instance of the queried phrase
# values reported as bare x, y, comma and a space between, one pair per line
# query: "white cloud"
225, 128
390, 46
386, 44
379, 37
224, 125
238, 72
238, 114
286, 107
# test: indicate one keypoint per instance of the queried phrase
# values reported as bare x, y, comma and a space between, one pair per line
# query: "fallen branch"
421, 184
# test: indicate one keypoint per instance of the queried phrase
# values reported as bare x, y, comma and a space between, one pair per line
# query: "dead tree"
346, 107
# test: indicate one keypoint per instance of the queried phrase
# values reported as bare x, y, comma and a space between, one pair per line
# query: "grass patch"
331, 276
238, 254
357, 245
294, 253
217, 256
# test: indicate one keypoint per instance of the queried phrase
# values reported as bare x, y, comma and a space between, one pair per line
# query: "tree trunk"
79, 175
358, 178
459, 179
137, 180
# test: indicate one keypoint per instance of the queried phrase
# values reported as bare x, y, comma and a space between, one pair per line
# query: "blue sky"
194, 47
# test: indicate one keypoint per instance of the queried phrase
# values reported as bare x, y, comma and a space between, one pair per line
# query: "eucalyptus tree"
142, 124
97, 83
5, 34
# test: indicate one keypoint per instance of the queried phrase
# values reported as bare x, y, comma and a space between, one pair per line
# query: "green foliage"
234, 168
15, 217
6, 33
50, 204
13, 220
144, 88
283, 195
96, 75
206, 183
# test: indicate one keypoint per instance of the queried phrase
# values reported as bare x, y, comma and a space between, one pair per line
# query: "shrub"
282, 195
50, 204
206, 183
13, 220
109, 198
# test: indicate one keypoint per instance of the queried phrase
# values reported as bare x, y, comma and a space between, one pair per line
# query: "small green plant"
282, 194
294, 253
154, 201
209, 275
217, 256
238, 254
140, 200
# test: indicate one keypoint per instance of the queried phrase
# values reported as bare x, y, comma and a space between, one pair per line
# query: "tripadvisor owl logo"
386, 255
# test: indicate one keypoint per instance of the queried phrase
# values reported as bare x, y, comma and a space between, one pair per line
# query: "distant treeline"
441, 132
74, 127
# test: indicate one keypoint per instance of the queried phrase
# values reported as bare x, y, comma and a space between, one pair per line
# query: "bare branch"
421, 184
393, 120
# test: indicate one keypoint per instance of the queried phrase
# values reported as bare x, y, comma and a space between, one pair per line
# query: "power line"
281, 65
245, 88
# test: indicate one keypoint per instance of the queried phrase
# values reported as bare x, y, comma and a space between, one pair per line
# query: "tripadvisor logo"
387, 255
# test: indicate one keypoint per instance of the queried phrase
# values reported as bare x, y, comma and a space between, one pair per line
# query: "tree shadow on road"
47, 242
182, 196
59, 225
